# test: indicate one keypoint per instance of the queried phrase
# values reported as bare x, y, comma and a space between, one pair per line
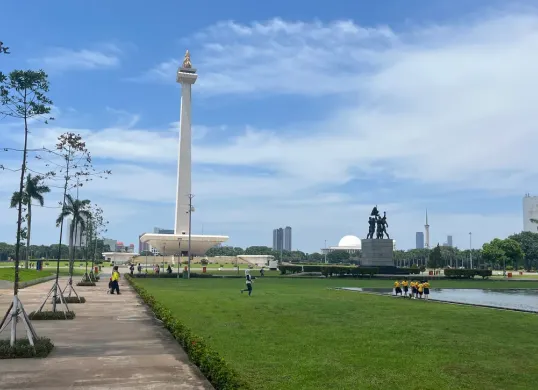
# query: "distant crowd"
419, 289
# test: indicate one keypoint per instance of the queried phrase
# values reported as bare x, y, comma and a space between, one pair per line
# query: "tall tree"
33, 190
75, 169
78, 211
23, 96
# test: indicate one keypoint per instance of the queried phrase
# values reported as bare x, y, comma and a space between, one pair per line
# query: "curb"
33, 282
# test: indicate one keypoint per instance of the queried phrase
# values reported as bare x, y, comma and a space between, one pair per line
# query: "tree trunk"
29, 223
73, 238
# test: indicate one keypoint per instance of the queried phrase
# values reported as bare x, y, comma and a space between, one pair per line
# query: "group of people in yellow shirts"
418, 289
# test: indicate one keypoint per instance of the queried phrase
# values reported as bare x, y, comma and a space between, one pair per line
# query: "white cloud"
447, 106
62, 59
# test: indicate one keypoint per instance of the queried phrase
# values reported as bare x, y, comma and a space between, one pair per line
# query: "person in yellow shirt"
426, 286
115, 279
405, 285
413, 289
420, 289
397, 288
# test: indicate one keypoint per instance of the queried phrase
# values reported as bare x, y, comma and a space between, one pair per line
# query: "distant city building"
287, 238
278, 239
163, 231
111, 244
530, 211
419, 240
449, 241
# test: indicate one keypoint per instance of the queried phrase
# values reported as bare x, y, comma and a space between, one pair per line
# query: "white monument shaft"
184, 167
171, 244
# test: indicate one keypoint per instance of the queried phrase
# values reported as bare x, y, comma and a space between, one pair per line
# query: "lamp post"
190, 220
179, 257
471, 249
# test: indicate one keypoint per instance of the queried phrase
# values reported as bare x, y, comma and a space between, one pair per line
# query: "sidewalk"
113, 343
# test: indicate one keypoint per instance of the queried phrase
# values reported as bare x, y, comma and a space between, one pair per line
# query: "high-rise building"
111, 244
278, 239
420, 240
287, 238
530, 212
427, 232
142, 246
449, 241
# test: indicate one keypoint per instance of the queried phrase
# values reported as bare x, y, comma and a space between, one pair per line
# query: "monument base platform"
172, 244
377, 253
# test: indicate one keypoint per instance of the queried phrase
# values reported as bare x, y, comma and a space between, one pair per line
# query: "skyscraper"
419, 240
278, 239
449, 241
287, 238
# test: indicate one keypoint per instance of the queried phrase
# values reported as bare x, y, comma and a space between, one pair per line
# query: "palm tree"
33, 190
77, 210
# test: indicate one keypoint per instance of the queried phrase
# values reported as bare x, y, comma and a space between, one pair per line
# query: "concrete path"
113, 343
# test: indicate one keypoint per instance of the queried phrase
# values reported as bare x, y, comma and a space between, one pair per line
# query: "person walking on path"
115, 281
248, 282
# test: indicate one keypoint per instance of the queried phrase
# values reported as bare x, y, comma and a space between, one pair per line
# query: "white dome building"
350, 244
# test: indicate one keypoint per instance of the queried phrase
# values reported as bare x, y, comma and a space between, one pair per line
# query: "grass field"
24, 274
300, 334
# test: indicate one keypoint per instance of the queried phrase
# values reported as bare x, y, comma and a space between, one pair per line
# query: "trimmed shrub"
72, 300
467, 273
86, 284
23, 349
51, 315
211, 364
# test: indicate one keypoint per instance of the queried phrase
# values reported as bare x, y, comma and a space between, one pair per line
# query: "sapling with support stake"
74, 169
22, 96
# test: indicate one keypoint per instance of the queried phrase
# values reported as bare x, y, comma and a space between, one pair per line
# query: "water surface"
514, 299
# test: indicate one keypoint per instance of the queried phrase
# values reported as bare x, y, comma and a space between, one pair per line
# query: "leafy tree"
33, 190
435, 259
534, 221
494, 253
514, 253
338, 257
75, 169
78, 211
529, 245
23, 96
3, 49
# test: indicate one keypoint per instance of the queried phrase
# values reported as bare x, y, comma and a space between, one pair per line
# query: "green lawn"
300, 334
24, 274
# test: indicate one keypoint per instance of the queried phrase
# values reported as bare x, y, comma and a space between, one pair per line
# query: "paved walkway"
113, 343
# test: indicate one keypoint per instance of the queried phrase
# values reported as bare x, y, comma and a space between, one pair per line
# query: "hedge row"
339, 270
72, 300
165, 275
23, 349
467, 273
51, 315
211, 364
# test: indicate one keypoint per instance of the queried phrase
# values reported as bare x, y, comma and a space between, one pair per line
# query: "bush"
204, 262
467, 273
72, 300
23, 349
86, 284
211, 364
52, 315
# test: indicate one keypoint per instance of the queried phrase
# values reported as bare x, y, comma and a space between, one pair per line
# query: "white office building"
530, 211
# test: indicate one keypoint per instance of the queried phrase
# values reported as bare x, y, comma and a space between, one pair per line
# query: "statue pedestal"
377, 253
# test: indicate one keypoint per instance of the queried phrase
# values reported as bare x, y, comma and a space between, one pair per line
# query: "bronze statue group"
378, 225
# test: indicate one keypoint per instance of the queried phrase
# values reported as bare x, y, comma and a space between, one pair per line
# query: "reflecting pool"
515, 299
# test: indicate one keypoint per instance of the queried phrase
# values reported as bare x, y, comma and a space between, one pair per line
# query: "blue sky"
304, 114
